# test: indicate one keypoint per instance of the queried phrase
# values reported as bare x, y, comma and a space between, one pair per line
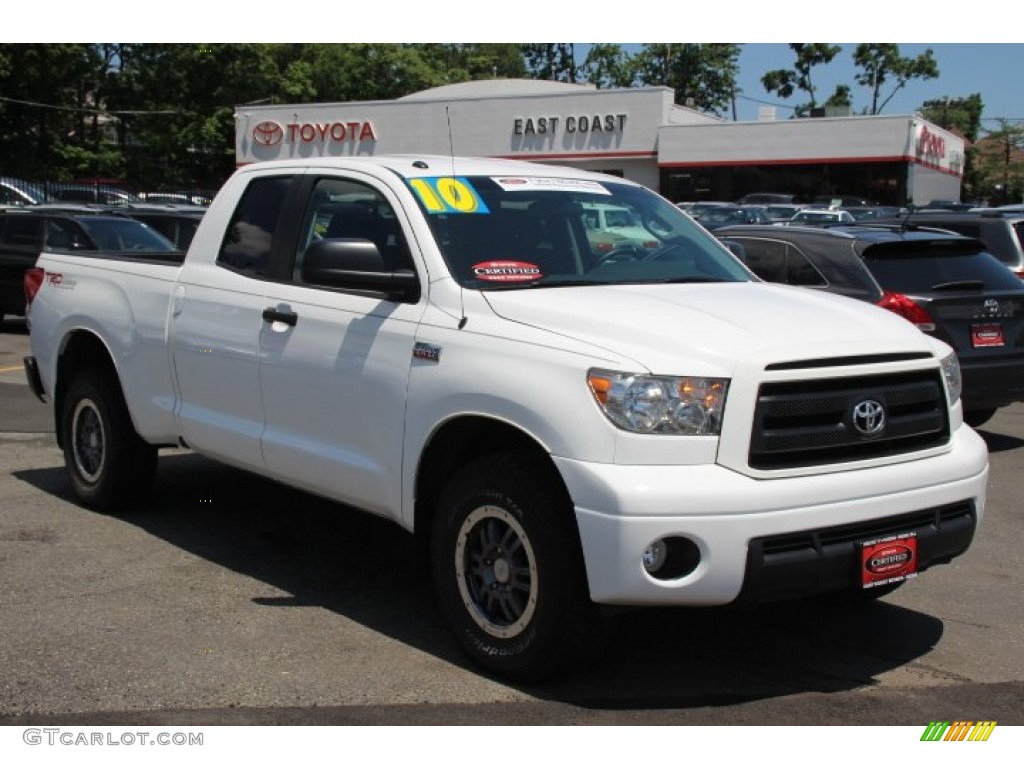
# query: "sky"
991, 69
976, 55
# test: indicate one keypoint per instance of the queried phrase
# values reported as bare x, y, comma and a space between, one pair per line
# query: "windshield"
524, 232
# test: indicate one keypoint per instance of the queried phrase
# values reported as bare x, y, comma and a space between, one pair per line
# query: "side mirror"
355, 264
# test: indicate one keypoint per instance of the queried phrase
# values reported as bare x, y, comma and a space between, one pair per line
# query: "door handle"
272, 315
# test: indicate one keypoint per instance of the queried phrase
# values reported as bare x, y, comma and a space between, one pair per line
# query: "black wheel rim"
88, 441
496, 570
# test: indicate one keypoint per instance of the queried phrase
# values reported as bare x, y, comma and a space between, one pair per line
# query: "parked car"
821, 217
613, 226
946, 284
91, 193
18, 192
178, 223
178, 198
24, 233
947, 205
1002, 233
723, 217
873, 212
782, 213
696, 210
842, 201
766, 198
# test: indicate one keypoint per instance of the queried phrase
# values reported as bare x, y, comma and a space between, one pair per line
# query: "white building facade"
635, 133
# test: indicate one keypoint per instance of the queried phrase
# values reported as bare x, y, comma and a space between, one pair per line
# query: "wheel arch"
456, 443
81, 349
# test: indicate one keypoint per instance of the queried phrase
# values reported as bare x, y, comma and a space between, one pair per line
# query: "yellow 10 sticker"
448, 194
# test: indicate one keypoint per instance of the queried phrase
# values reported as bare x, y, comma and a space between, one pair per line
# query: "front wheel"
508, 568
110, 466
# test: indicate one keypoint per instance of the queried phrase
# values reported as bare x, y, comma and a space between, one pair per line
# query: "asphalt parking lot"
231, 599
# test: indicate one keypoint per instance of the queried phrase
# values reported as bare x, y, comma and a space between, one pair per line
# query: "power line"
87, 110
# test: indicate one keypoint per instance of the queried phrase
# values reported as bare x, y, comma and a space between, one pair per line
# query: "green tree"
702, 75
881, 63
785, 82
609, 65
551, 61
961, 114
50, 111
1000, 162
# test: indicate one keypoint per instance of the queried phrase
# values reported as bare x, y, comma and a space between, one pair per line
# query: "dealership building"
636, 133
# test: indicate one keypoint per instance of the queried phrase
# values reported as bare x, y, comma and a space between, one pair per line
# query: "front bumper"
621, 510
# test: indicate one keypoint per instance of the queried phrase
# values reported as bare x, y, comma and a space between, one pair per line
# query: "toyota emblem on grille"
869, 418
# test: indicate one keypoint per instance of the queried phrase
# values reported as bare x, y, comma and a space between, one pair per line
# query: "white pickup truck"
435, 340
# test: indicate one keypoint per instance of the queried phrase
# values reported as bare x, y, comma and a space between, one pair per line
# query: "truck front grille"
809, 423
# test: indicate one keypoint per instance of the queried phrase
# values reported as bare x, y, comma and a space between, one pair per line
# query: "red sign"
888, 560
987, 335
930, 144
506, 271
269, 133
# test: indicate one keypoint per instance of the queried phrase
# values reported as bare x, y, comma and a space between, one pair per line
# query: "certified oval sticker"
888, 560
506, 271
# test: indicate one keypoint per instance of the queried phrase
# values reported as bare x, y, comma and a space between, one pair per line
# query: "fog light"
655, 556
671, 558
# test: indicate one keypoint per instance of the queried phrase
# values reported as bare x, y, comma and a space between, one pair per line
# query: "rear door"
217, 317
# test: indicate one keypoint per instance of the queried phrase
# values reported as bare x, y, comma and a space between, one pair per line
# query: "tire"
508, 568
976, 418
110, 466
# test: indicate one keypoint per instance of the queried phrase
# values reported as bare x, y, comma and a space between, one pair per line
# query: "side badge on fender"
424, 351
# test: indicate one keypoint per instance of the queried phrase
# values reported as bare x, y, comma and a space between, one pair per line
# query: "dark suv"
24, 233
947, 285
1002, 233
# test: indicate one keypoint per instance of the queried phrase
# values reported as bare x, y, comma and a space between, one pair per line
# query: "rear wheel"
508, 568
110, 466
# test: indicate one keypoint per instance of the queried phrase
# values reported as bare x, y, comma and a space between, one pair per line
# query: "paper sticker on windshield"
506, 271
448, 194
534, 183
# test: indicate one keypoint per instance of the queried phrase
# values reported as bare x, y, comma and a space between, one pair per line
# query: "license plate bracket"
888, 560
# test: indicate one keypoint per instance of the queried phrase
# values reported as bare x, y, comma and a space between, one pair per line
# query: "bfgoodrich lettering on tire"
110, 466
508, 569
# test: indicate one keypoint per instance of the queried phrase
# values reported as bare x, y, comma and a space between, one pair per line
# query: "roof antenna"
451, 142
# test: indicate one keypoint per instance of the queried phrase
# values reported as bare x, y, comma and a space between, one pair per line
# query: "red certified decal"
506, 271
268, 133
888, 560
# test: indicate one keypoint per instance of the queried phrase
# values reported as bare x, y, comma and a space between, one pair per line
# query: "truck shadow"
364, 568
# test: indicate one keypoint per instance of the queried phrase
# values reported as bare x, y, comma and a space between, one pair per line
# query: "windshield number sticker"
506, 271
448, 194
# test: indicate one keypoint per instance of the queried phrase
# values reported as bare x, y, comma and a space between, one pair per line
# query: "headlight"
951, 372
664, 405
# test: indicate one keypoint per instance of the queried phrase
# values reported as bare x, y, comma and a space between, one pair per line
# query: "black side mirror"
356, 264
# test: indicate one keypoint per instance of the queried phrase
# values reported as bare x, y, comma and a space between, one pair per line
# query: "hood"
705, 329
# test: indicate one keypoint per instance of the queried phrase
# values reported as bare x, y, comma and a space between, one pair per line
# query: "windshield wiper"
960, 285
691, 279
